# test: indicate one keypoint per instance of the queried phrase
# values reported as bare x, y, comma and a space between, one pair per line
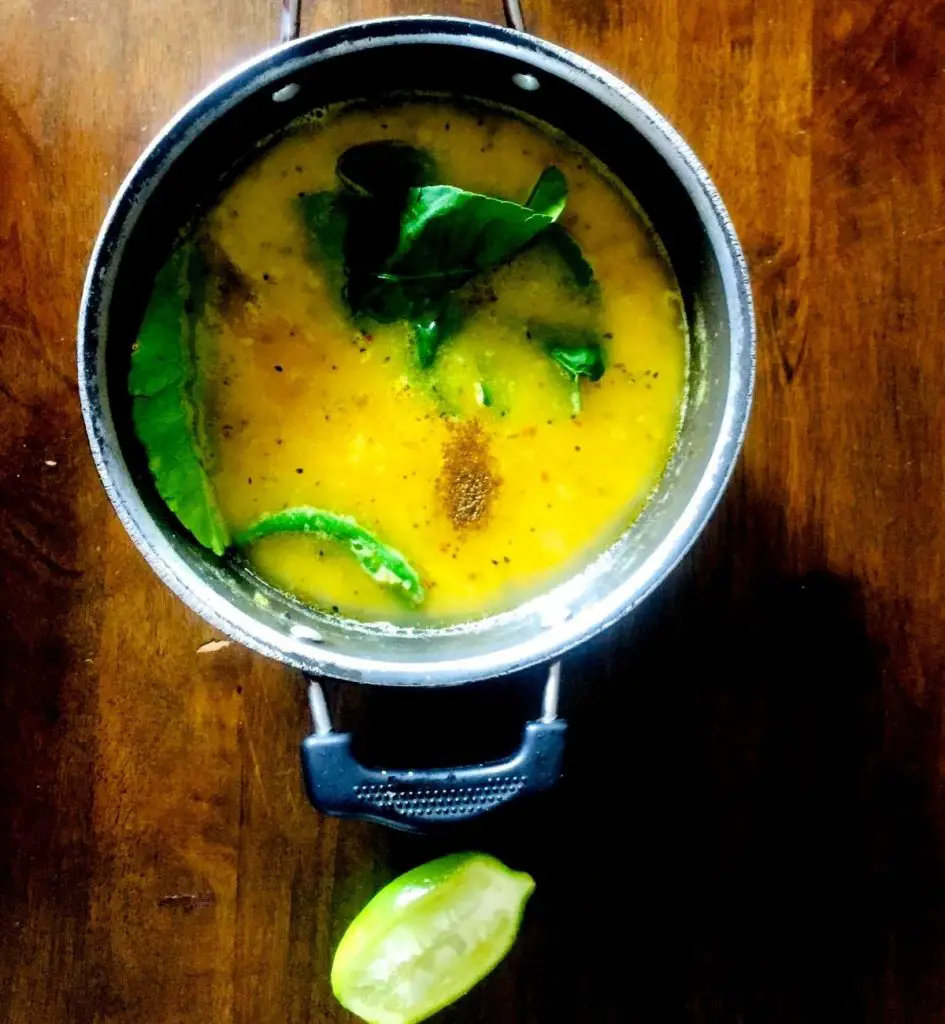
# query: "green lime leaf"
384, 564
161, 382
428, 937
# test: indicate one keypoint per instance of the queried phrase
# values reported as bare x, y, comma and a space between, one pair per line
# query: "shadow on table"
730, 841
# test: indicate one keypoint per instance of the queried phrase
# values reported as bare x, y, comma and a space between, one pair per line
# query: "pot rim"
277, 63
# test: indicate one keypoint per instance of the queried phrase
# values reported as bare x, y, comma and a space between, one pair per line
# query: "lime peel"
428, 936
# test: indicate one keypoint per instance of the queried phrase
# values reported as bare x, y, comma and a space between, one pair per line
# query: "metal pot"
183, 169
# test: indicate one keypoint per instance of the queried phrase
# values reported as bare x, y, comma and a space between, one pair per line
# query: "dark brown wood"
752, 826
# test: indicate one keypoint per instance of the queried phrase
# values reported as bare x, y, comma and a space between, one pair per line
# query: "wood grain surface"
752, 826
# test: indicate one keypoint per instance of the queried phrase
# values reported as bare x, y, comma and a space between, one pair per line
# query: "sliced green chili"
382, 563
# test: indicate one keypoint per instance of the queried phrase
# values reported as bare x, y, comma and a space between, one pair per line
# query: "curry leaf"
326, 221
580, 361
449, 234
404, 247
376, 178
576, 350
346, 233
549, 194
387, 168
426, 341
430, 331
161, 381
484, 394
389, 300
564, 245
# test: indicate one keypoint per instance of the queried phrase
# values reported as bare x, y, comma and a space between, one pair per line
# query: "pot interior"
185, 170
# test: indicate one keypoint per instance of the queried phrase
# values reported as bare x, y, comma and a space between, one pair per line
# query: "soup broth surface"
480, 470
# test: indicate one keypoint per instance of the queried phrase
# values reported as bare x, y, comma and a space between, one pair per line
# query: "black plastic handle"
338, 784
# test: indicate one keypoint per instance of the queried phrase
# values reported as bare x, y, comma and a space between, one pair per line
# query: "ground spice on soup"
467, 482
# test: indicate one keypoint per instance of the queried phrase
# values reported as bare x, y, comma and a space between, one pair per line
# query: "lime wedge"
428, 937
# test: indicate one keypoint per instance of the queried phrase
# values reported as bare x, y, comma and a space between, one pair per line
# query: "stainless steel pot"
183, 169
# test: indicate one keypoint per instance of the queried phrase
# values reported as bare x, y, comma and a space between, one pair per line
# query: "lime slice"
428, 937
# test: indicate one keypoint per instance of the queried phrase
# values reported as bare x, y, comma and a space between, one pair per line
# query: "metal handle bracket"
338, 784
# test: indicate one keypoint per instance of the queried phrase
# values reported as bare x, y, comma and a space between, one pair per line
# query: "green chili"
382, 563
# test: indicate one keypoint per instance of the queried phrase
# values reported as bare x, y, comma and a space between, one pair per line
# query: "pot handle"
290, 17
513, 15
338, 784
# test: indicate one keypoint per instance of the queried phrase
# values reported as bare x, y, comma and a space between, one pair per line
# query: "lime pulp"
428, 937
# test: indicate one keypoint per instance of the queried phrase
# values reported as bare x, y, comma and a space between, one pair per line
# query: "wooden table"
752, 827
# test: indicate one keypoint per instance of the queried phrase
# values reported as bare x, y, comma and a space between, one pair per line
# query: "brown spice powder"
467, 483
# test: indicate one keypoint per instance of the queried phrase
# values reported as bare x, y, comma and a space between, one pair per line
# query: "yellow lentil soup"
494, 469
